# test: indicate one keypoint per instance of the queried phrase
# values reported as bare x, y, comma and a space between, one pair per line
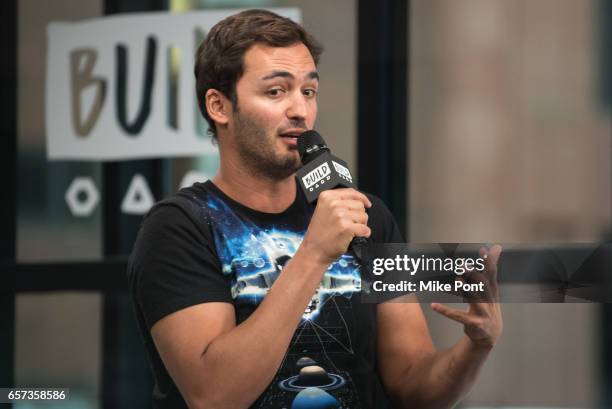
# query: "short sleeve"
382, 223
384, 230
174, 264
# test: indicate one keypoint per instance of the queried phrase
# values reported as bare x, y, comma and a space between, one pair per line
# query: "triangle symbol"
138, 198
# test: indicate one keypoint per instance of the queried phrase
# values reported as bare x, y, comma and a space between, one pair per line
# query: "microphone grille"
309, 139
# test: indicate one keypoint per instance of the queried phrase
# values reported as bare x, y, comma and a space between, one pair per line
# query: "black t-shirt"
201, 246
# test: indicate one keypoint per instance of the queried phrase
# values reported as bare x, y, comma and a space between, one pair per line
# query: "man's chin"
280, 167
292, 156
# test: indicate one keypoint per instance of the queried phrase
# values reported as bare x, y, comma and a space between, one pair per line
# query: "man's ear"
218, 106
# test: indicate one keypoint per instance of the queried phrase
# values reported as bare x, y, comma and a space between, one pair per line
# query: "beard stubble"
258, 151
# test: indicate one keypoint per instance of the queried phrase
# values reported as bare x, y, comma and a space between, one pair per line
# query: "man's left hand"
482, 321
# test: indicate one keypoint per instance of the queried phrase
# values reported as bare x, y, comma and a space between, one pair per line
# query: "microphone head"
310, 145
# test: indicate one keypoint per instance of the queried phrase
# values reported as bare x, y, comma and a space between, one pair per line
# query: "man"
244, 292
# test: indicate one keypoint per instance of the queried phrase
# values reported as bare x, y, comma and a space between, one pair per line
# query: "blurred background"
475, 120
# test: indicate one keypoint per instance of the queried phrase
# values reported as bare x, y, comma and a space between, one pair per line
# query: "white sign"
122, 87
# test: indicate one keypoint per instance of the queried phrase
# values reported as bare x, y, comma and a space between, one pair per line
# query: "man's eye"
274, 92
310, 92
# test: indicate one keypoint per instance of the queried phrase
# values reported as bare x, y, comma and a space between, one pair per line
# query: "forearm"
240, 364
442, 379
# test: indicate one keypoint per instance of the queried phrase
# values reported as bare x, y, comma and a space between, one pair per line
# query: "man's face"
276, 103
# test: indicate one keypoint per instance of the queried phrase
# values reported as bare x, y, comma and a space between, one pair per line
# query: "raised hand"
482, 321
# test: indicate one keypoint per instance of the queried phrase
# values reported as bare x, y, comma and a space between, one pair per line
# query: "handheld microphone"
323, 171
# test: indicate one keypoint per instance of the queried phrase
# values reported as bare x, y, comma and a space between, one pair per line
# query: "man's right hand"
340, 216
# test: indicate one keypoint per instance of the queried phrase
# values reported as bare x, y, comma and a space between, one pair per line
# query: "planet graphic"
310, 374
304, 361
314, 398
313, 376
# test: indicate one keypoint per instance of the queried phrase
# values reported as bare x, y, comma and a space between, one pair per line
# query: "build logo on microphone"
343, 171
317, 176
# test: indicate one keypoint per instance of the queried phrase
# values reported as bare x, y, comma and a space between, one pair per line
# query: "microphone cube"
324, 172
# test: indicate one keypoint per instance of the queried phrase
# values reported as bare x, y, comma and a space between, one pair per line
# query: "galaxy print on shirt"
253, 256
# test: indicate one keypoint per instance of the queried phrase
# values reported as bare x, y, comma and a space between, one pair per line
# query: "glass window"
58, 344
510, 142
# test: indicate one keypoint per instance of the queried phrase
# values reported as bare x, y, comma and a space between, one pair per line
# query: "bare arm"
413, 372
217, 364
211, 359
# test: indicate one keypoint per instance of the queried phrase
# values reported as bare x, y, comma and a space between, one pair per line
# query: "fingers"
349, 204
462, 317
361, 230
353, 222
491, 257
489, 289
345, 194
470, 296
357, 216
352, 211
339, 216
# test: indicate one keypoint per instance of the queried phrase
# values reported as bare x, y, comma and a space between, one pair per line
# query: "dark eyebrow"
286, 74
313, 75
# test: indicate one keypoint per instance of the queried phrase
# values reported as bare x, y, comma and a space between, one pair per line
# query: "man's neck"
258, 193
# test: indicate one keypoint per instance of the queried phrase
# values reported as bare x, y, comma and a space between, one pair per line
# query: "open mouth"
290, 139
292, 133
290, 136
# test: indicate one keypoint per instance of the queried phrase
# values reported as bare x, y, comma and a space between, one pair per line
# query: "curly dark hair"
220, 57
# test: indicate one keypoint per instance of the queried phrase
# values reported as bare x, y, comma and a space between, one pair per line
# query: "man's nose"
298, 107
